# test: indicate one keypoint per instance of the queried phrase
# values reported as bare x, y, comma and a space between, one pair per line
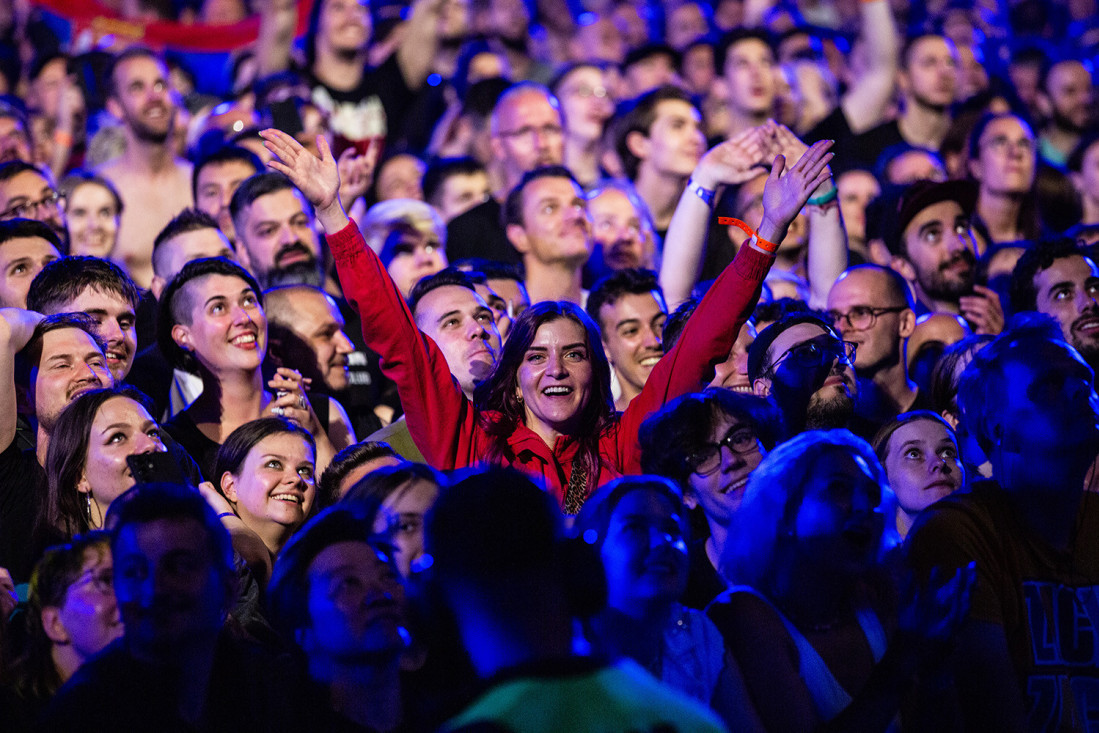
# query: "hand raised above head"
317, 178
789, 188
734, 161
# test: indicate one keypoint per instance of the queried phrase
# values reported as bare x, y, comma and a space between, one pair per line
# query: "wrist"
706, 193
771, 231
704, 177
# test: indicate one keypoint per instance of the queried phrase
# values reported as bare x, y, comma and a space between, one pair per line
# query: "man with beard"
1057, 277
1069, 98
801, 363
934, 251
871, 306
547, 222
26, 192
154, 184
277, 242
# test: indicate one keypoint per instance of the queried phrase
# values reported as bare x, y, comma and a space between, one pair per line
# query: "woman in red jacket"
545, 408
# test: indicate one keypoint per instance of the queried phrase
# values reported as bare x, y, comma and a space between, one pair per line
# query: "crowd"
588, 365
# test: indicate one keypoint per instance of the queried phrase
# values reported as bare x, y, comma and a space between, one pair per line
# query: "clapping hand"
735, 161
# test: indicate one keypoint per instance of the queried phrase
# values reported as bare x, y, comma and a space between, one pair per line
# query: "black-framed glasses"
740, 440
530, 132
809, 354
862, 317
28, 209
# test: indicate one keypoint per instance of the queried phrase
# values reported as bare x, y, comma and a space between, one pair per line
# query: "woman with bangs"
546, 408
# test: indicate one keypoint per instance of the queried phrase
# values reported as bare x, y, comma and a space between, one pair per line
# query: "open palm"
789, 188
317, 178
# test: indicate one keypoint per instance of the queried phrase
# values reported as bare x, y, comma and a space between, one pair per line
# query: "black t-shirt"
367, 387
863, 151
373, 108
22, 499
479, 233
832, 127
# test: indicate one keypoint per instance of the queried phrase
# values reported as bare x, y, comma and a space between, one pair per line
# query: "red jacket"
449, 430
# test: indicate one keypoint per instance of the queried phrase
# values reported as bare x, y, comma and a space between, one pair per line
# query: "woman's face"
836, 523
586, 103
721, 490
555, 376
922, 465
403, 513
644, 553
121, 428
92, 219
1007, 156
89, 613
275, 484
228, 329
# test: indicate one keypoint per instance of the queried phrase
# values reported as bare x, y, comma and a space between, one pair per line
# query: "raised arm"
711, 330
278, 19
16, 327
866, 102
440, 418
732, 162
827, 255
416, 52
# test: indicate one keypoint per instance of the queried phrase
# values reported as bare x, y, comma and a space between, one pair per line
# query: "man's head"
102, 290
447, 308
649, 67
62, 360
1057, 277
305, 330
216, 177
1071, 96
629, 308
455, 185
546, 218
1028, 399
139, 95
26, 192
929, 72
935, 250
275, 234
802, 363
871, 306
174, 574
527, 131
409, 237
747, 60
26, 246
191, 235
621, 226
350, 465
663, 133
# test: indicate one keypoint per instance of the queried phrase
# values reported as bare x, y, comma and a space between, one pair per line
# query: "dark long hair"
240, 442
497, 397
68, 455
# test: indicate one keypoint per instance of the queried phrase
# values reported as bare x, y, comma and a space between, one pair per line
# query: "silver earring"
88, 506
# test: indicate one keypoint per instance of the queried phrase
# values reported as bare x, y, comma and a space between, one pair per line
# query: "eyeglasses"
585, 91
529, 132
862, 317
740, 440
28, 209
1002, 144
813, 353
102, 581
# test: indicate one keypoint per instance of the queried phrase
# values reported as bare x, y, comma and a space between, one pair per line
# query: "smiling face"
143, 98
733, 372
275, 484
644, 553
30, 188
122, 428
922, 465
117, 325
318, 324
89, 613
880, 345
555, 226
92, 217
721, 492
20, 260
555, 378
1068, 290
633, 328
355, 601
71, 364
228, 328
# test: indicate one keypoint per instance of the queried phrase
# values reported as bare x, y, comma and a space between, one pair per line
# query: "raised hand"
317, 178
983, 310
787, 190
356, 173
734, 161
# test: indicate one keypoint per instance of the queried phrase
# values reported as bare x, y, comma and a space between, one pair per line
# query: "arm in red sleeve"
706, 340
441, 420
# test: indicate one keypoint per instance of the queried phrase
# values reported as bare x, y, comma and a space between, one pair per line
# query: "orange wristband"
763, 244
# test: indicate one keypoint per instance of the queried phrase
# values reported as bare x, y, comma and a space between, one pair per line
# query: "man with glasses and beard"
934, 251
802, 364
154, 184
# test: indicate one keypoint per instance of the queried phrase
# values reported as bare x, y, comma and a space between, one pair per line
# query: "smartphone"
285, 116
150, 468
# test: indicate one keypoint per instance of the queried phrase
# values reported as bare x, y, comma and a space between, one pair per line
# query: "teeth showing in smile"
557, 391
650, 361
114, 355
736, 486
290, 498
248, 338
